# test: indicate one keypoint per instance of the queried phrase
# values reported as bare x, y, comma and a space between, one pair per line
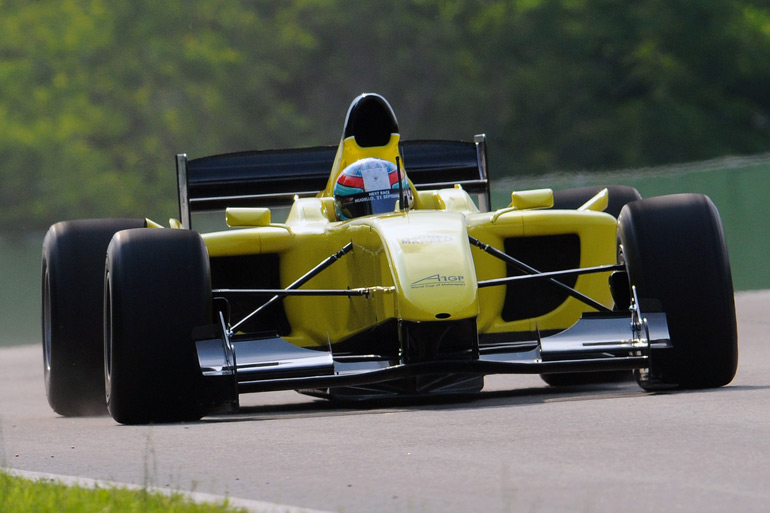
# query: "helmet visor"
366, 203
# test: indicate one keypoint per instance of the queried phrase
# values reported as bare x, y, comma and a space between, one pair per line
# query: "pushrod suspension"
533, 273
363, 291
298, 283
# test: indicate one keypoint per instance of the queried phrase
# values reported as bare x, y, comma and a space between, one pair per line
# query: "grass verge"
19, 495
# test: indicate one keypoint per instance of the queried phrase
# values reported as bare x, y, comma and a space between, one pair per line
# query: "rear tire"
619, 195
72, 288
157, 289
675, 254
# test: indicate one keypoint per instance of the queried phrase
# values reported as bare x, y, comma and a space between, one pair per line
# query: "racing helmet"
369, 186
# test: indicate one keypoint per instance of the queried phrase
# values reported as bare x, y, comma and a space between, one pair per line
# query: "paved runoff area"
519, 446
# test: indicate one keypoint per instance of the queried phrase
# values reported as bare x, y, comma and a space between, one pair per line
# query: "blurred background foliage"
96, 96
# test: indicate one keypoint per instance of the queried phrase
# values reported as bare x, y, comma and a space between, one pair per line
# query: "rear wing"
272, 178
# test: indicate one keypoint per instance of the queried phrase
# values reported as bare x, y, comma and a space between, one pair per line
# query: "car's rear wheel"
676, 257
619, 196
72, 288
157, 288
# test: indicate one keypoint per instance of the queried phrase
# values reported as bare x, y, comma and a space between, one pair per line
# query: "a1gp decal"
439, 280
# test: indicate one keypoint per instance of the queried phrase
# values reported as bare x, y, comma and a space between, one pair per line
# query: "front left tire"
676, 257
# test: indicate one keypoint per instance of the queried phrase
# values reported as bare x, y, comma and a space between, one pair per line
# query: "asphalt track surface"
520, 446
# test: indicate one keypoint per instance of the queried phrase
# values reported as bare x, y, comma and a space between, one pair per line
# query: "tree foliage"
97, 96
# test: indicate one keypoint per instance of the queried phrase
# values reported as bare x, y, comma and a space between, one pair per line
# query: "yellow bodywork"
422, 257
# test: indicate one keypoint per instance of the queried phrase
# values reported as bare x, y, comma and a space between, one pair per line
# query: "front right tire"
157, 288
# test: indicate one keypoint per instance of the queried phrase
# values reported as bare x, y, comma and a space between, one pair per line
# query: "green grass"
19, 495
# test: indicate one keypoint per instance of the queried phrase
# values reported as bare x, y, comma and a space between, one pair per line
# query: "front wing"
597, 342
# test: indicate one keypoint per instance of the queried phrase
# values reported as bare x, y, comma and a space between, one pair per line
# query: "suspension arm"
533, 273
363, 291
347, 248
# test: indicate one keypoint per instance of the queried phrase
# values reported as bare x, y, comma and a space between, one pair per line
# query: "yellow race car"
389, 276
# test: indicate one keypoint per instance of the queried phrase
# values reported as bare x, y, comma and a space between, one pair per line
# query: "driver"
369, 186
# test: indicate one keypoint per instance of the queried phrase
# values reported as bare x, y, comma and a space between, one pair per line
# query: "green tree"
97, 96
602, 84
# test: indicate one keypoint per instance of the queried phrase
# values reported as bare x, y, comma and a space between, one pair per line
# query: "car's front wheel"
676, 257
157, 289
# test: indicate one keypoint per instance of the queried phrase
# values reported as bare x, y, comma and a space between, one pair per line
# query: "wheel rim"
47, 327
107, 335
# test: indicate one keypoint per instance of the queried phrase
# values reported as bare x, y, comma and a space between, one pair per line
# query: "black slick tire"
72, 288
619, 195
676, 257
157, 290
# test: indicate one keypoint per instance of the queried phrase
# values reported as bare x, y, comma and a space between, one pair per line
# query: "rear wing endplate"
272, 178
